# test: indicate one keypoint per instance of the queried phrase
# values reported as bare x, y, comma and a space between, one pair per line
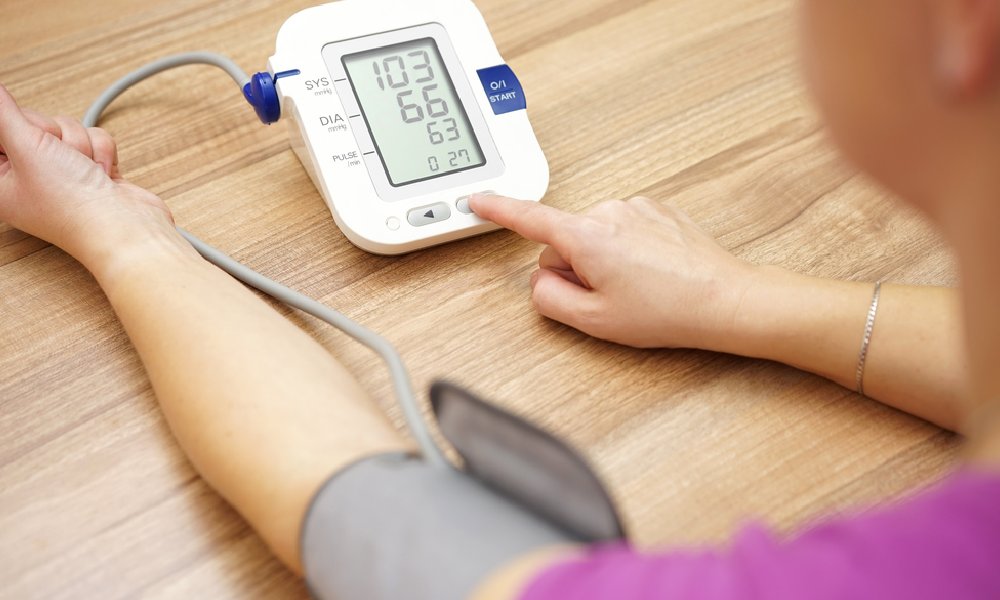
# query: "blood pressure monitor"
401, 110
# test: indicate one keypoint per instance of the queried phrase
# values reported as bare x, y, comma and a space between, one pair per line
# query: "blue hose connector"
262, 95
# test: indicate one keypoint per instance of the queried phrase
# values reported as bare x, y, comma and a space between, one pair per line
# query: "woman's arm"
263, 411
915, 358
643, 274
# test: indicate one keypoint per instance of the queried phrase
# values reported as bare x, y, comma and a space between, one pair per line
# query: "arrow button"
425, 215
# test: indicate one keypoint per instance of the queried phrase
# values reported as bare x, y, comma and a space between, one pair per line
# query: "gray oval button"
462, 204
425, 215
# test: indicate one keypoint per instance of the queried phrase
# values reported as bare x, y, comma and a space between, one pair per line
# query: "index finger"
532, 220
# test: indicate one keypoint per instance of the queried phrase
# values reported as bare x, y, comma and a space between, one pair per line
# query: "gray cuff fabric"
393, 527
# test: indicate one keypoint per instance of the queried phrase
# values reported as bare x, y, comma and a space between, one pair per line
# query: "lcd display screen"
413, 112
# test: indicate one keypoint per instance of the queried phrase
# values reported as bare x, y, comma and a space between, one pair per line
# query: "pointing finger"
534, 221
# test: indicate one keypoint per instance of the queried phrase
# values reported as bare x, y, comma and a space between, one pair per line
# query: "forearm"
262, 410
915, 358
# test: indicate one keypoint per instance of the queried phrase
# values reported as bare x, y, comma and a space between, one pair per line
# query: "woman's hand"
643, 274
636, 272
59, 181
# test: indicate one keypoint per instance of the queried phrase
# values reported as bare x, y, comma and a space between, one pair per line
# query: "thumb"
562, 300
17, 134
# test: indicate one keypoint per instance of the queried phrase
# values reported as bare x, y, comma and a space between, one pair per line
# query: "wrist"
126, 251
810, 323
762, 312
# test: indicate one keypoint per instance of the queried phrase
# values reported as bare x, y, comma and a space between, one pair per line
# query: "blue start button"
503, 89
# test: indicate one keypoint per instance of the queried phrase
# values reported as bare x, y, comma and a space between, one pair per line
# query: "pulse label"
350, 159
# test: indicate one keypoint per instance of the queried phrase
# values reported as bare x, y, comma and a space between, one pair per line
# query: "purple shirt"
941, 544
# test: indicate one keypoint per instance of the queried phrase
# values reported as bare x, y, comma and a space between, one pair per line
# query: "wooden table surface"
695, 103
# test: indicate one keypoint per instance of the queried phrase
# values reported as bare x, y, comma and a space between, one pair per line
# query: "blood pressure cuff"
394, 526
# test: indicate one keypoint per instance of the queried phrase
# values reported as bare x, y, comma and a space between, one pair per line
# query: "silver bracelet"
869, 326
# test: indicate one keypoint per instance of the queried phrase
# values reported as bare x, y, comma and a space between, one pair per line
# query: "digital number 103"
392, 73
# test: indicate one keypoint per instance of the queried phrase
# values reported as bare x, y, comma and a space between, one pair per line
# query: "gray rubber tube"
378, 344
146, 71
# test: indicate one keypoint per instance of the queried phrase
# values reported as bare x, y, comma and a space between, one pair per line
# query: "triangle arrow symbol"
429, 214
